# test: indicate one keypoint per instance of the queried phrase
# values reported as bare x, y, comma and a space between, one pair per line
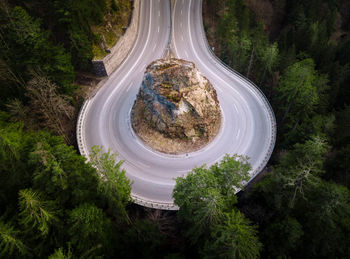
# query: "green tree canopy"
206, 199
143, 238
45, 187
36, 213
205, 193
297, 90
114, 186
10, 243
90, 229
61, 173
299, 93
288, 231
26, 46
296, 206
233, 238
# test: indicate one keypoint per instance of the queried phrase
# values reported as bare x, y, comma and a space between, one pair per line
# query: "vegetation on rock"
177, 109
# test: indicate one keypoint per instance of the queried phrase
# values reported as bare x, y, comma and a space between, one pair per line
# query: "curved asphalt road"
248, 126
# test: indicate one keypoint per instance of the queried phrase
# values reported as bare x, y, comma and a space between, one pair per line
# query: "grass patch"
98, 52
116, 18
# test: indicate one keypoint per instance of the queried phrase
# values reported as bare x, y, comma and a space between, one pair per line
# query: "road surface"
248, 121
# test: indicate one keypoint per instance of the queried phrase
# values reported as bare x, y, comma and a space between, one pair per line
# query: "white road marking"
127, 89
196, 54
154, 47
234, 105
239, 131
181, 24
142, 164
172, 24
110, 97
158, 13
151, 181
142, 145
182, 37
158, 28
183, 171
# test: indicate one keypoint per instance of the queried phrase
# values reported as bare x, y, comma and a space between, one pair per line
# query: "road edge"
255, 89
85, 153
121, 50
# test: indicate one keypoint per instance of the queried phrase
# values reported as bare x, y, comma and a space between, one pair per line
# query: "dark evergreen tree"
211, 223
25, 46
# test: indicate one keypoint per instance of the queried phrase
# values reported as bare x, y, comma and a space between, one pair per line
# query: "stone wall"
121, 49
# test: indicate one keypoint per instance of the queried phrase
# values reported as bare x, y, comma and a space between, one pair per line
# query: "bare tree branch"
54, 110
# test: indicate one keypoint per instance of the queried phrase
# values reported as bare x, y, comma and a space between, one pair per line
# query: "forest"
55, 205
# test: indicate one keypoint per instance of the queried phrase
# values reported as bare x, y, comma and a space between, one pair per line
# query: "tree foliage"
25, 46
35, 212
206, 198
297, 90
205, 193
54, 204
298, 94
233, 238
114, 186
50, 198
50, 107
59, 254
243, 43
298, 206
61, 173
143, 238
10, 243
89, 229
288, 231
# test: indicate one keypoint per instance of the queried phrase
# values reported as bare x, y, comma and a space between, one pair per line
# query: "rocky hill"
176, 110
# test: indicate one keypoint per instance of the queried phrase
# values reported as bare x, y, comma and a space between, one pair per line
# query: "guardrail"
79, 130
257, 90
170, 206
84, 152
155, 205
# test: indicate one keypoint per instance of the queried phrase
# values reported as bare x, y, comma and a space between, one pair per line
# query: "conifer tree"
10, 243
36, 213
206, 199
114, 186
90, 230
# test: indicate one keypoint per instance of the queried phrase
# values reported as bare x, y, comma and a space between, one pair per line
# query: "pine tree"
10, 243
90, 230
234, 237
36, 213
114, 187
206, 199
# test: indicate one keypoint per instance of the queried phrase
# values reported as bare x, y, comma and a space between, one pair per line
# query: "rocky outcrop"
176, 110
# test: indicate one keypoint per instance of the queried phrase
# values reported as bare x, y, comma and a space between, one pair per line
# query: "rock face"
176, 110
